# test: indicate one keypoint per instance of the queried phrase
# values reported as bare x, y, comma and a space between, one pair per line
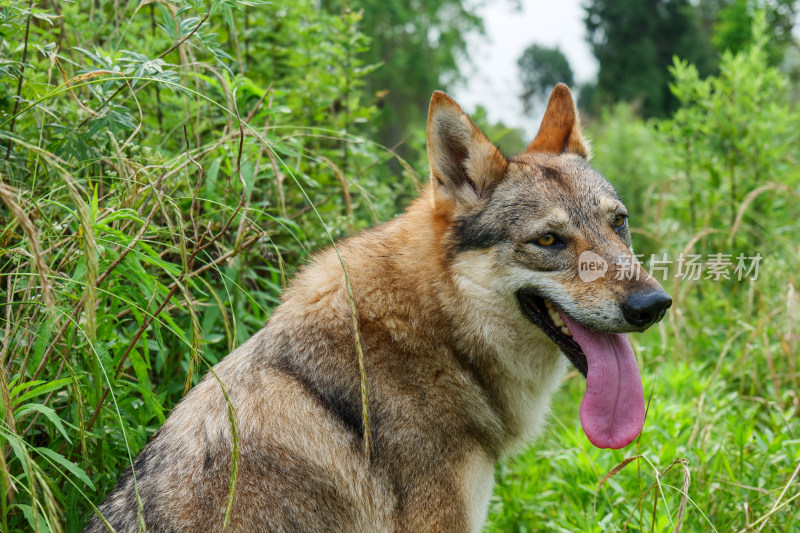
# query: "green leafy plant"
164, 170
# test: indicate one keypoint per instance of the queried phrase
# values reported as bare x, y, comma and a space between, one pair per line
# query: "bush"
161, 168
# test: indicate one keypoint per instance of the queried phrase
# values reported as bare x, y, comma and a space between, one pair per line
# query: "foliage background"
167, 165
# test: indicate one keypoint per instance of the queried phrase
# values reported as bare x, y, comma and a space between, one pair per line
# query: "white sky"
493, 80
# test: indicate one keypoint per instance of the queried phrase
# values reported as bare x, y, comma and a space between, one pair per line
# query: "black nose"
643, 309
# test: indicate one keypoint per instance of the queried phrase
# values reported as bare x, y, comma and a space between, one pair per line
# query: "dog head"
552, 235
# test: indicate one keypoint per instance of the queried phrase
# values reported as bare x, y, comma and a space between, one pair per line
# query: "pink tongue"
612, 410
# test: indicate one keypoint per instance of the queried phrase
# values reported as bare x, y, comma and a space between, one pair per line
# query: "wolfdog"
467, 310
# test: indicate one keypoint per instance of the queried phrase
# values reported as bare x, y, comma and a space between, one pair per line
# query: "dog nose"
643, 309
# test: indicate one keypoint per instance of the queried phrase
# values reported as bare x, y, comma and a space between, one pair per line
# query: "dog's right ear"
464, 163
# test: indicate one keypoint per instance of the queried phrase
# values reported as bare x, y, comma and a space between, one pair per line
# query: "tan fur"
458, 376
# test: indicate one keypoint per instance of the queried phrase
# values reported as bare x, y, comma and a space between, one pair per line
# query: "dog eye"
548, 239
620, 221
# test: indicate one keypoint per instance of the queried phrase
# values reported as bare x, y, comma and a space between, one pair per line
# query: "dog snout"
643, 309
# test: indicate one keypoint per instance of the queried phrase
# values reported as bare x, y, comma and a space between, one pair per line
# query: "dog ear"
464, 163
560, 131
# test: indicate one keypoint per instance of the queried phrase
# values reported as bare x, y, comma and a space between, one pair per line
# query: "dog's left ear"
560, 131
464, 163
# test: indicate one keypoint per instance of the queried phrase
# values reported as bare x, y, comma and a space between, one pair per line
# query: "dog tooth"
565, 331
558, 322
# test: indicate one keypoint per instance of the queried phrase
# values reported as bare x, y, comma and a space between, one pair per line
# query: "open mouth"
612, 409
544, 314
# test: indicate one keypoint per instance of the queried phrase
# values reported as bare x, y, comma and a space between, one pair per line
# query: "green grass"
730, 454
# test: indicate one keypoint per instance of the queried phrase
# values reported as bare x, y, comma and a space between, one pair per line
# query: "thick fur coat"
458, 374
